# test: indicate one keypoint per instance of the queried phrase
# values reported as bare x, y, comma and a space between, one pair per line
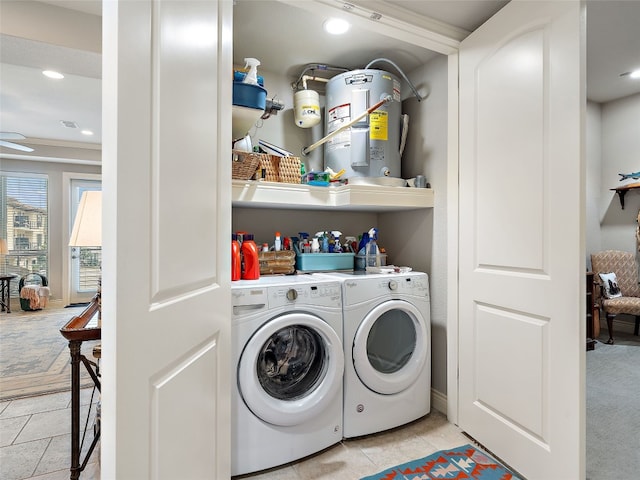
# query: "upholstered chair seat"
623, 265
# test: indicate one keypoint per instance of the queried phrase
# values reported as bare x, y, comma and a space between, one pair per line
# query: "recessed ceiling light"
336, 26
52, 74
86, 132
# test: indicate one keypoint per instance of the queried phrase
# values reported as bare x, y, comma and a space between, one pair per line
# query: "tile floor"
355, 458
35, 438
35, 445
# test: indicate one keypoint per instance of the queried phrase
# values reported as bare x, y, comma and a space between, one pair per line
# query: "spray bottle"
315, 244
252, 74
350, 244
337, 248
372, 252
304, 240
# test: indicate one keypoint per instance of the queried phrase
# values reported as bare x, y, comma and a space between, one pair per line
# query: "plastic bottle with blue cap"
337, 248
372, 257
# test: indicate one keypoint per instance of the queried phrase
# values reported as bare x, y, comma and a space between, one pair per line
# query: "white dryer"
288, 362
387, 340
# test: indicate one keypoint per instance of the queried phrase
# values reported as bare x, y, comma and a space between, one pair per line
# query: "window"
24, 214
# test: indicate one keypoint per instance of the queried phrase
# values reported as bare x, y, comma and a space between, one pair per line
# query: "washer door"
291, 369
390, 347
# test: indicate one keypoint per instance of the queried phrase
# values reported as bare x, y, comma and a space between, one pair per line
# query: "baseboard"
439, 401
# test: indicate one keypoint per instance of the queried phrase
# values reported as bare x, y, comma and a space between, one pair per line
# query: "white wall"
421, 238
620, 154
593, 179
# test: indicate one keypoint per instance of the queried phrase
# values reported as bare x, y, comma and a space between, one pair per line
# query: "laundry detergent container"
249, 102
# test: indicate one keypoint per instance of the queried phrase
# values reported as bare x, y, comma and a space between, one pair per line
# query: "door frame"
67, 178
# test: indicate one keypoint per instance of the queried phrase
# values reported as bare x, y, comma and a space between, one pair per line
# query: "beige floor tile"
58, 454
282, 473
44, 425
58, 475
43, 403
338, 462
86, 396
19, 461
10, 428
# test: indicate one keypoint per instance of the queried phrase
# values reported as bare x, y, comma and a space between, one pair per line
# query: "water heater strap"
353, 121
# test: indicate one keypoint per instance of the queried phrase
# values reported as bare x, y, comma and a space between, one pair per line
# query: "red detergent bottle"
236, 262
251, 267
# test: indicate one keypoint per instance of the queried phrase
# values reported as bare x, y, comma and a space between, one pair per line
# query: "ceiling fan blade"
11, 136
15, 146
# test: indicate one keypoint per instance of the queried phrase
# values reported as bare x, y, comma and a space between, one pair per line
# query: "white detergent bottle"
252, 75
315, 245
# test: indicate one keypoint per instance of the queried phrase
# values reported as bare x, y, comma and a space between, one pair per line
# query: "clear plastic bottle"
371, 249
278, 244
251, 266
236, 261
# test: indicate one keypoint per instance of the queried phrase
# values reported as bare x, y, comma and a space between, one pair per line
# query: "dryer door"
291, 369
390, 347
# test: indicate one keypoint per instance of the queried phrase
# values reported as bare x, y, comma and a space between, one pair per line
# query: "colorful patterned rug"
34, 356
465, 462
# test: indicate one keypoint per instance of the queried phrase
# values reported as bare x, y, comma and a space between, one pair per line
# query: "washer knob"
292, 294
393, 285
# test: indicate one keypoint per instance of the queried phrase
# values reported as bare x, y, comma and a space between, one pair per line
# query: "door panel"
166, 265
521, 363
84, 262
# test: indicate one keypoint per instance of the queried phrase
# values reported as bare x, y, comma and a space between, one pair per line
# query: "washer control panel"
318, 294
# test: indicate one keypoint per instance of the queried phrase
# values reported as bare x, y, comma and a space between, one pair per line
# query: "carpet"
613, 409
34, 356
465, 462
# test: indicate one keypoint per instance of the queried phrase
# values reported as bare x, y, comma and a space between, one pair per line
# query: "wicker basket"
268, 168
289, 171
245, 164
282, 262
280, 169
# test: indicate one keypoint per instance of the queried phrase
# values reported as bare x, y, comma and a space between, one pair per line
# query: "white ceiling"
273, 32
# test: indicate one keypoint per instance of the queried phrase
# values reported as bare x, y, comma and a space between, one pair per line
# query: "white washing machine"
288, 363
387, 340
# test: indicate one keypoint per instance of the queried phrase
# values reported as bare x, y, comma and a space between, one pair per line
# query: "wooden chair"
623, 264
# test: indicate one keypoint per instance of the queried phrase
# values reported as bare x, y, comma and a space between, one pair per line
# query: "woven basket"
289, 171
280, 169
277, 263
268, 168
245, 164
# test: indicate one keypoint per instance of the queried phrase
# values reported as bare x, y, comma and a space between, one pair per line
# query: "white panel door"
166, 225
521, 307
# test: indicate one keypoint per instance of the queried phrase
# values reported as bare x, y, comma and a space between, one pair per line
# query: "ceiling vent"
69, 124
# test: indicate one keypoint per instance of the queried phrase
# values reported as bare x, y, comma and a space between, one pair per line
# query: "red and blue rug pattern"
465, 462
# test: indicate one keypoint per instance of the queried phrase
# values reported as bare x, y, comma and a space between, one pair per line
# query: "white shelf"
254, 194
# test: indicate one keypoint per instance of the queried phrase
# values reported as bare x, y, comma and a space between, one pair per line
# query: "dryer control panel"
362, 288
